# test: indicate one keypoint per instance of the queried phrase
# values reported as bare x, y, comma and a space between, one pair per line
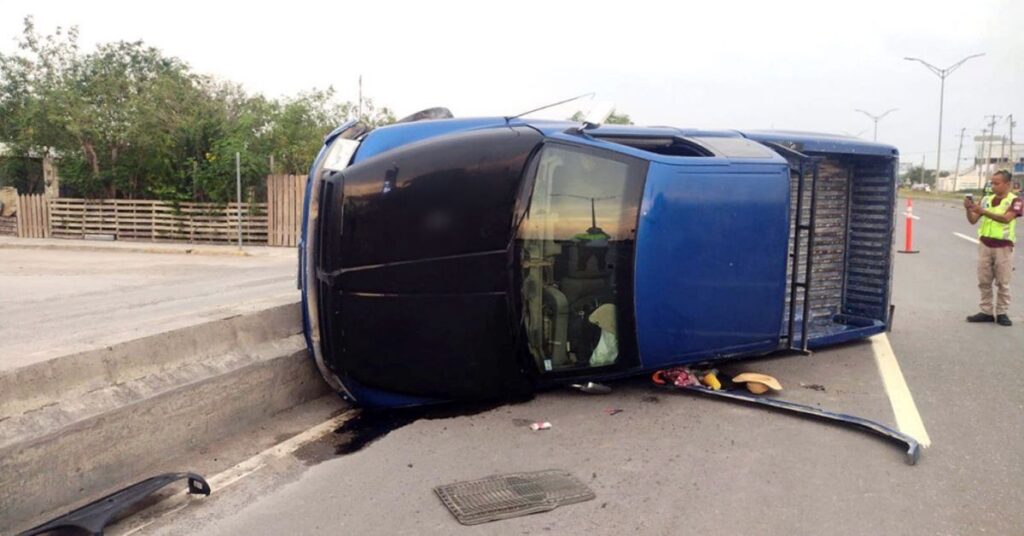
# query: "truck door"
711, 258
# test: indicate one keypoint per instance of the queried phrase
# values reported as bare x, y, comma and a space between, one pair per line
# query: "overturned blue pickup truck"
446, 259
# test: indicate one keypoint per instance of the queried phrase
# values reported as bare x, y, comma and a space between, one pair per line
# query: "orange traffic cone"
909, 244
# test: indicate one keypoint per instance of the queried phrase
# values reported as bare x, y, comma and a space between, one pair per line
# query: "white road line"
967, 238
908, 420
229, 476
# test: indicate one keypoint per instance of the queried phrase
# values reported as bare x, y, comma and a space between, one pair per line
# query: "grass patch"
942, 196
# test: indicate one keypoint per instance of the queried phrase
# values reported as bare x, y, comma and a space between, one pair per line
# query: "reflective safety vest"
991, 228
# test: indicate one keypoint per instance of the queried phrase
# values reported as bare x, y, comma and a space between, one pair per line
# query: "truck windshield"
576, 252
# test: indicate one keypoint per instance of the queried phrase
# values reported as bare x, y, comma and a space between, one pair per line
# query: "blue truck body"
709, 246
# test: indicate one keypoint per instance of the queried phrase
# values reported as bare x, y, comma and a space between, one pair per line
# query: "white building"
990, 154
994, 152
972, 178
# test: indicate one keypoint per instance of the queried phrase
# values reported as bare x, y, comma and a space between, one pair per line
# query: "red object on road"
909, 244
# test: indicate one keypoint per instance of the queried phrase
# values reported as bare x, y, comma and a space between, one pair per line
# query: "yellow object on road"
711, 380
758, 383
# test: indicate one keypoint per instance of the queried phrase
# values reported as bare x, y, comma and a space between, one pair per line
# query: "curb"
129, 249
78, 427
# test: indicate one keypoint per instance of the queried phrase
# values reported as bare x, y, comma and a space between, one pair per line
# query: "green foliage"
614, 119
295, 144
918, 174
619, 119
25, 174
124, 120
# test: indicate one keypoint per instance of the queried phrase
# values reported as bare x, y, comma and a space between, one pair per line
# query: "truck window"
576, 256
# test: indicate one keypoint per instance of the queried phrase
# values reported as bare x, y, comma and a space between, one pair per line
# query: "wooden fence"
9, 225
130, 219
33, 216
284, 209
277, 222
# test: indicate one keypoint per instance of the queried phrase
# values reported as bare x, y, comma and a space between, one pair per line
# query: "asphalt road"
672, 463
57, 301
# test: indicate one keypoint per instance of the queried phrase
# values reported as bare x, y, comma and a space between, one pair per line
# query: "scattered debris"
813, 386
613, 411
650, 399
678, 376
540, 426
758, 383
512, 495
767, 382
592, 388
710, 379
93, 517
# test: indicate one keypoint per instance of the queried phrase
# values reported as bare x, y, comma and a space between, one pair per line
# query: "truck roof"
391, 136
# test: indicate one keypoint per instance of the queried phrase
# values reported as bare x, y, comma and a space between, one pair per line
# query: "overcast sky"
710, 64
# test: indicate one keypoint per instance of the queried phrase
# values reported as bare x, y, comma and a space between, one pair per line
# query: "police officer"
998, 214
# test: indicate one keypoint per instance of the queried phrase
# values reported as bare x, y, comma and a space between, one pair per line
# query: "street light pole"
876, 118
942, 74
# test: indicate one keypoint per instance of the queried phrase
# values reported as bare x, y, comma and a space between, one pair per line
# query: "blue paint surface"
711, 261
814, 142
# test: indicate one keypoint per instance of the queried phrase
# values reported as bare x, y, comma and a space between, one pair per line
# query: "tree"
619, 119
613, 119
298, 125
125, 120
30, 82
918, 174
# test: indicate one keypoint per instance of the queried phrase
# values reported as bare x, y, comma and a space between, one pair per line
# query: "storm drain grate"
511, 495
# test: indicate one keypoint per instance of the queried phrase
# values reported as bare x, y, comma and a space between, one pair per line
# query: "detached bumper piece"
93, 517
904, 440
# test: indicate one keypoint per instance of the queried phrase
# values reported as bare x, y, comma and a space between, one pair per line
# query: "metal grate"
511, 495
830, 221
869, 257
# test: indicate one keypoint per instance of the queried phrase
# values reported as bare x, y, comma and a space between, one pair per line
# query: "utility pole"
876, 118
942, 74
238, 195
360, 116
1012, 124
991, 134
979, 156
923, 168
956, 174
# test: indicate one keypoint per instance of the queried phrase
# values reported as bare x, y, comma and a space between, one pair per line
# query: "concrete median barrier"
77, 427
